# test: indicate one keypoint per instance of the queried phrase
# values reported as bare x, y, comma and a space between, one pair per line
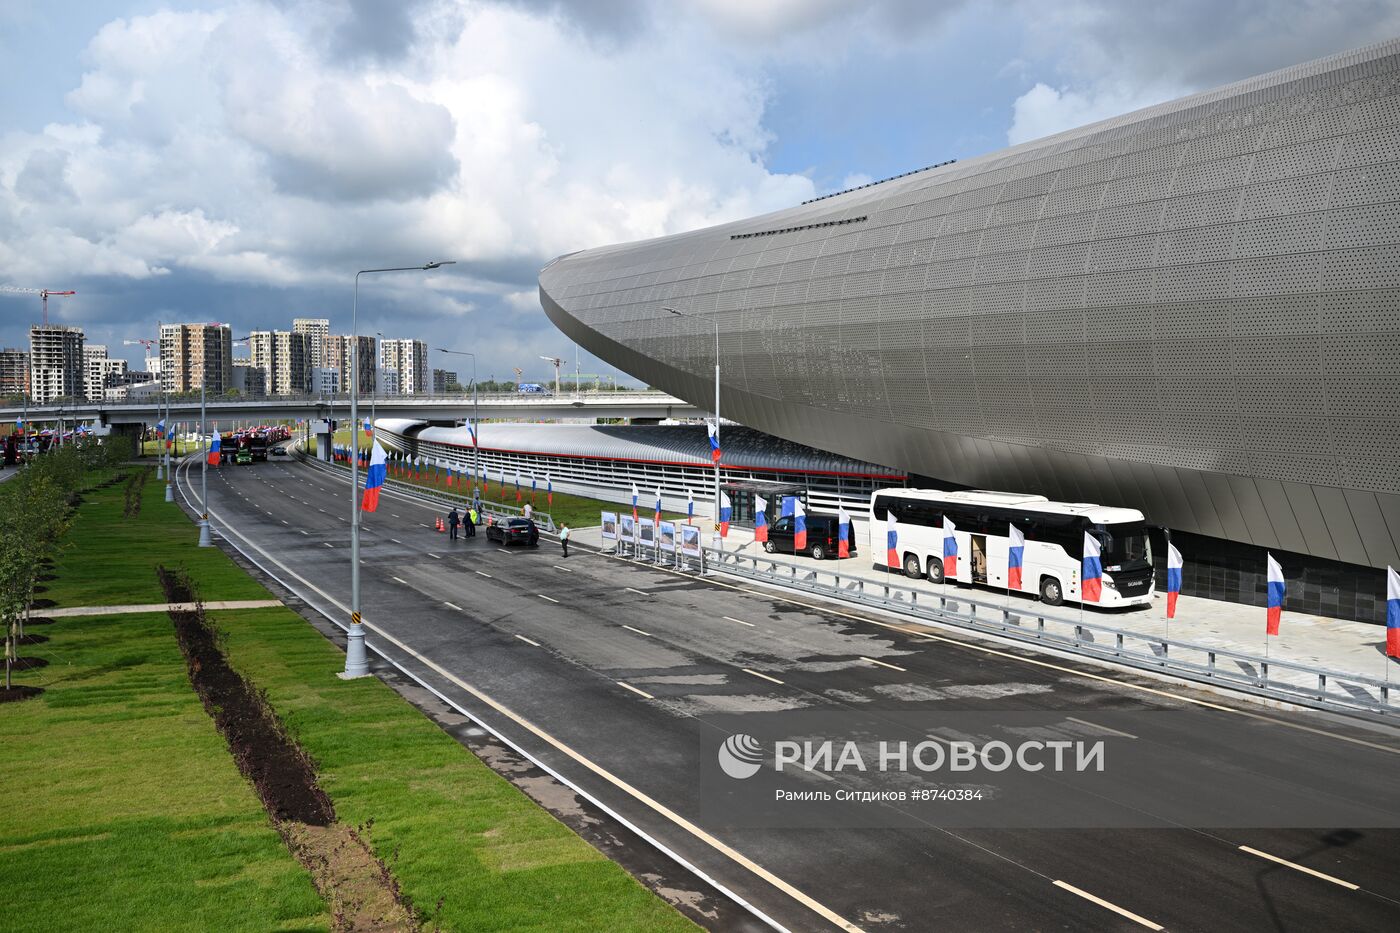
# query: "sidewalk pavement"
72, 611
1348, 647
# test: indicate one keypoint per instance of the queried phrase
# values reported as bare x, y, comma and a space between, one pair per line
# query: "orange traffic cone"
439, 524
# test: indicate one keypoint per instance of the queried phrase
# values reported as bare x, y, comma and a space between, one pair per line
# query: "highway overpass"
446, 408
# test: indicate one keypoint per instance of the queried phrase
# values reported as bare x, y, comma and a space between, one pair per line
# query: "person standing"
534, 539
472, 518
564, 538
529, 512
453, 520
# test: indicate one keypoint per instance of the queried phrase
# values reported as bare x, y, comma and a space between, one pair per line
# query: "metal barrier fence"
496, 510
1270, 677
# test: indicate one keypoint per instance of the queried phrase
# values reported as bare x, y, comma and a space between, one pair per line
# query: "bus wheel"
935, 570
1050, 592
911, 566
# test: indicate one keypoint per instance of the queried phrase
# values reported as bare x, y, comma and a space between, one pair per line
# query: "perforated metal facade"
1193, 309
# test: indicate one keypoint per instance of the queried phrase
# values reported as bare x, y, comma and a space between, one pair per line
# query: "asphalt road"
612, 674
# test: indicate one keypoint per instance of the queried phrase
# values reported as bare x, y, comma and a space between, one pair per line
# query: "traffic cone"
439, 524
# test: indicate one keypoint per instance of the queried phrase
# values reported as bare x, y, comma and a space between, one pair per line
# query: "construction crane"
41, 292
557, 363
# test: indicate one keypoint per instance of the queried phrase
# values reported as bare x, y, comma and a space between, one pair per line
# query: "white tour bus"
1054, 541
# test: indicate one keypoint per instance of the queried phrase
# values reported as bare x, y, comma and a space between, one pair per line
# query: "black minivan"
822, 537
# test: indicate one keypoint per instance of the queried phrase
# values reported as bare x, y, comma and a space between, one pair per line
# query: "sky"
238, 161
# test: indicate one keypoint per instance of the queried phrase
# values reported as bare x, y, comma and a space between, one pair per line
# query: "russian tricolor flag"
658, 508
215, 445
843, 533
726, 510
369, 428
713, 430
517, 485
1274, 576
1392, 612
950, 548
760, 519
1091, 575
374, 479
534, 486
548, 490
1174, 565
799, 526
635, 520
160, 428
1015, 557
473, 433
891, 541
690, 507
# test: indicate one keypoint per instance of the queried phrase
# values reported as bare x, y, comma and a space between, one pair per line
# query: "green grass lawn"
109, 559
462, 832
124, 810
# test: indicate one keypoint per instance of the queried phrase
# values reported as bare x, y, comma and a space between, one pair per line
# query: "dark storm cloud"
605, 19
376, 29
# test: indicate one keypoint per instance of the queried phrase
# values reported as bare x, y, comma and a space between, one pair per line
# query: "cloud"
1044, 110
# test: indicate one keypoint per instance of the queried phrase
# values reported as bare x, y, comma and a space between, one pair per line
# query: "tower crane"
41, 292
557, 363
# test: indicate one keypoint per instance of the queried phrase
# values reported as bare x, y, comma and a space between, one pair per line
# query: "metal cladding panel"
1193, 309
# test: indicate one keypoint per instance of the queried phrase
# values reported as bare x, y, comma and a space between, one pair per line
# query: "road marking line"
1113, 907
285, 522
565, 569
635, 690
434, 556
483, 573
453, 606
396, 540
322, 511
1303, 868
303, 531
503, 550
550, 598
396, 514
403, 581
638, 631
528, 641
1094, 725
893, 667
327, 544
635, 590
757, 674
740, 621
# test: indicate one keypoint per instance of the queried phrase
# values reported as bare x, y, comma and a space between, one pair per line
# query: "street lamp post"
714, 318
356, 661
476, 418
204, 539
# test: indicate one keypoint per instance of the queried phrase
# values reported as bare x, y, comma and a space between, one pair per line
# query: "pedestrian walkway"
73, 611
1355, 648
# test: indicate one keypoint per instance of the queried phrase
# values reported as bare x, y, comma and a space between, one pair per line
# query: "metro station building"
1192, 309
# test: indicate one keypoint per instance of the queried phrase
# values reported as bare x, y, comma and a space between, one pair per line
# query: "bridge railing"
455, 398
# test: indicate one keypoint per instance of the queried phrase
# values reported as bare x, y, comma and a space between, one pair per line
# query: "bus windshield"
1125, 545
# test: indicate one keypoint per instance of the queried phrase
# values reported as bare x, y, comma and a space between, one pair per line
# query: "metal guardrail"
1269, 677
439, 496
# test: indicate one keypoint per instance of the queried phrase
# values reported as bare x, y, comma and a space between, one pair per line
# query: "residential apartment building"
325, 381
408, 358
336, 352
14, 371
284, 357
444, 381
316, 331
249, 380
100, 371
195, 356
56, 362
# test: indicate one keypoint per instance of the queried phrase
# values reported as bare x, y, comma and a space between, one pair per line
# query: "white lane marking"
550, 598
740, 621
528, 641
1113, 907
323, 512
503, 550
397, 515
635, 690
638, 631
434, 556
303, 531
565, 569
403, 581
453, 606
1094, 725
327, 544
893, 667
635, 590
285, 522
483, 573
757, 674
270, 515
1303, 868
396, 540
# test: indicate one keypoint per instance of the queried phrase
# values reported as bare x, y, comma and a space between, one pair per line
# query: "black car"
513, 531
822, 537
279, 451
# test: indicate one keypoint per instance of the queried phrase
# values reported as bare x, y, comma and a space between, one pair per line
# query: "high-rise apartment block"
56, 362
409, 358
14, 371
196, 355
316, 331
284, 356
444, 381
336, 352
100, 371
